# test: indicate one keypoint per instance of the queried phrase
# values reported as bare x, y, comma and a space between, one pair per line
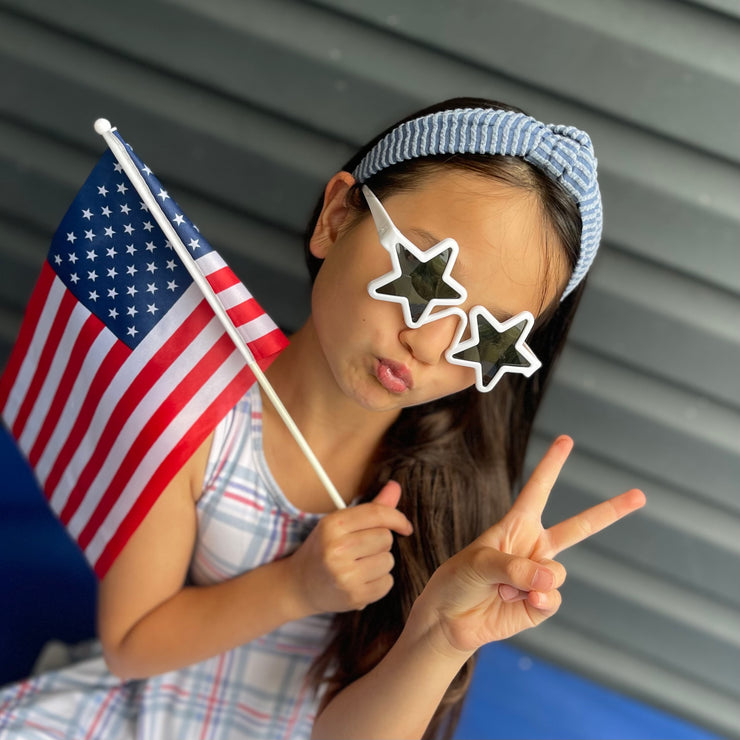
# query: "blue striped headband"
564, 153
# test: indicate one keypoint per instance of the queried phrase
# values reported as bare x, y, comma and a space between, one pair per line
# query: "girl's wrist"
425, 624
295, 603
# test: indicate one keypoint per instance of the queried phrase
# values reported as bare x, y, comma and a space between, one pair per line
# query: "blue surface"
51, 589
52, 595
519, 697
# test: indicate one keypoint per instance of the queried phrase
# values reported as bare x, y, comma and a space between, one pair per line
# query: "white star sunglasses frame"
421, 281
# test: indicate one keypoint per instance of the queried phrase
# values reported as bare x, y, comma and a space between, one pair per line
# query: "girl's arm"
501, 584
150, 622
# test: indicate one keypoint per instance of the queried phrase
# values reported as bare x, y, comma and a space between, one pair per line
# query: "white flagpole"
103, 127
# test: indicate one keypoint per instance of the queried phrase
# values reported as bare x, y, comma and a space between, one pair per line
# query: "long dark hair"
458, 459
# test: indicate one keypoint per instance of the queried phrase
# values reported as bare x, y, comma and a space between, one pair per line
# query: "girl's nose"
428, 342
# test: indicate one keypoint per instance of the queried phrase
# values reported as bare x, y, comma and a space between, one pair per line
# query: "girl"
434, 252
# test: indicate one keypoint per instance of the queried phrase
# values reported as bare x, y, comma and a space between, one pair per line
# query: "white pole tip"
102, 126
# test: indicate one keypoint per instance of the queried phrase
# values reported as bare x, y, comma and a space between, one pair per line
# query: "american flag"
121, 369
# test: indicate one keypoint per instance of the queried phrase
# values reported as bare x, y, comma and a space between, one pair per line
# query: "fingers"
533, 497
542, 598
578, 528
495, 567
365, 543
368, 516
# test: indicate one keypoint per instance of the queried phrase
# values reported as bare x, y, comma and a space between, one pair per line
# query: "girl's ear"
333, 214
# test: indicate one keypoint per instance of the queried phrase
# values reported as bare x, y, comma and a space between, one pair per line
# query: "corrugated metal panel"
245, 107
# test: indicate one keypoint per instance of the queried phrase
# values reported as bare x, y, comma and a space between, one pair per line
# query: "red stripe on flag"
156, 424
222, 279
28, 327
267, 346
137, 389
245, 312
110, 365
56, 331
89, 332
181, 453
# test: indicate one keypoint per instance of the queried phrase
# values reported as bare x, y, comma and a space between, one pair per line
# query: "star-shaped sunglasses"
422, 283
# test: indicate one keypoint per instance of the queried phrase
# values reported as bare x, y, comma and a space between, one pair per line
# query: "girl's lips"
394, 376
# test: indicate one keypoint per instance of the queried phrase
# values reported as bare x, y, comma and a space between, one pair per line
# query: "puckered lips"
395, 377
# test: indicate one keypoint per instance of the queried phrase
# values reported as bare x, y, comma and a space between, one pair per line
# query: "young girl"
245, 606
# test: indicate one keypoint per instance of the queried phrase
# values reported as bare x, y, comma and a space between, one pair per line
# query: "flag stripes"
102, 463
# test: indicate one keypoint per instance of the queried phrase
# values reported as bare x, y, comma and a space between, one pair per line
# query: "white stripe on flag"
210, 262
54, 374
36, 346
119, 384
234, 296
256, 328
160, 449
98, 350
130, 428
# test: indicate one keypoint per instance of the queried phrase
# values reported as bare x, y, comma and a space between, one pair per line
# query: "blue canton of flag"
111, 254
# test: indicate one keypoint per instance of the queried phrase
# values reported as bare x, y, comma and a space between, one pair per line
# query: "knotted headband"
564, 153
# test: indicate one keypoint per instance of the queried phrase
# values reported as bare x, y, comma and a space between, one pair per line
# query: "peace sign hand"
506, 580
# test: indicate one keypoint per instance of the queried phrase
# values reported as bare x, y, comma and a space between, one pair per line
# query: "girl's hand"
506, 581
345, 563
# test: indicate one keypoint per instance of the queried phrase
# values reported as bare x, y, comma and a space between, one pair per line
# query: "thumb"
389, 495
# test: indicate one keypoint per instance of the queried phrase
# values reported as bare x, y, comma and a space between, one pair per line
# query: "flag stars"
89, 235
150, 246
146, 170
111, 252
71, 237
75, 278
125, 209
151, 288
131, 290
132, 331
91, 255
87, 214
179, 220
113, 313
109, 232
148, 225
151, 308
102, 190
72, 257
94, 295
131, 311
112, 292
130, 249
131, 270
121, 187
143, 206
112, 272
105, 211
58, 259
92, 275
171, 265
194, 244
171, 285
117, 167
151, 267
129, 229
163, 194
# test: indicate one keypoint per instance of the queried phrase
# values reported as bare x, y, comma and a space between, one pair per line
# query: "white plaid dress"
254, 691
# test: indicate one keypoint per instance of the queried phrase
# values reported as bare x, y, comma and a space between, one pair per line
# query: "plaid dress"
254, 691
